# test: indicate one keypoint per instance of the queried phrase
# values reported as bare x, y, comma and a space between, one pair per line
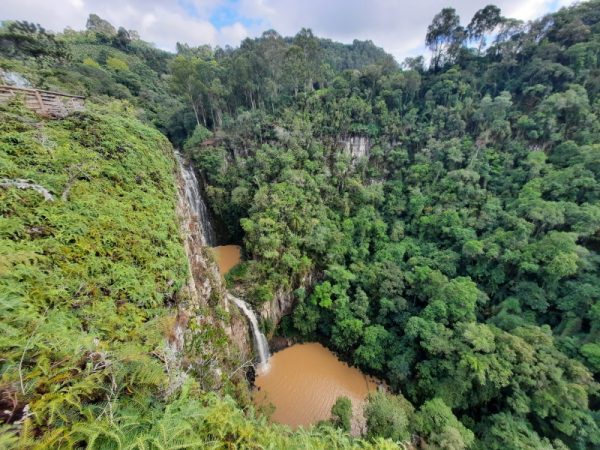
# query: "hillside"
91, 281
438, 226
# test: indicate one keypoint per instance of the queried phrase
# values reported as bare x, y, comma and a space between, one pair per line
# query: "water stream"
196, 202
302, 381
226, 255
260, 341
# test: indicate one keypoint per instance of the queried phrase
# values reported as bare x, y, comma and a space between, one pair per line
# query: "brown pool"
305, 380
227, 256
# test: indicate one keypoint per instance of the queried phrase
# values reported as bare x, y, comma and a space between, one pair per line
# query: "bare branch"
26, 184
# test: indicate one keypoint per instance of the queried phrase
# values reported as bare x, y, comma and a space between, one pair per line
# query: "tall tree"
484, 22
444, 36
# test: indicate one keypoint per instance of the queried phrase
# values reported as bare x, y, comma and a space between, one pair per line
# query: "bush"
388, 416
199, 135
341, 413
436, 423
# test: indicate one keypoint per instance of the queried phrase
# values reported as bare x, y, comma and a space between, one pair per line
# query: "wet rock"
278, 343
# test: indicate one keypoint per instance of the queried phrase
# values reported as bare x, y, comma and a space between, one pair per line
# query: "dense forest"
446, 213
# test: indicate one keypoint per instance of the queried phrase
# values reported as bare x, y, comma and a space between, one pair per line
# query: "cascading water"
199, 213
196, 202
260, 341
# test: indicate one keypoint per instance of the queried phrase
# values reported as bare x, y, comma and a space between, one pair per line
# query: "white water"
208, 237
260, 341
196, 202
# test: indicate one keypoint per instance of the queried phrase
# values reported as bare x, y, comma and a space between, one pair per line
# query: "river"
305, 380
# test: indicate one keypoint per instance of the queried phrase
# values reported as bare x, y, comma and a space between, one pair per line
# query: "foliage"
388, 416
341, 413
439, 226
86, 278
436, 423
444, 222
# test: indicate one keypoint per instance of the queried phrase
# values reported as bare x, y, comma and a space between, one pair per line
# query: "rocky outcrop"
281, 305
26, 184
356, 146
203, 277
196, 210
205, 290
239, 336
14, 79
283, 302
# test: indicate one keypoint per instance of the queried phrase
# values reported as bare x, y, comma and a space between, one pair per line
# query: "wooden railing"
47, 103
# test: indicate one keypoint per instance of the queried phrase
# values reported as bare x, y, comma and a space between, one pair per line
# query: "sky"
399, 26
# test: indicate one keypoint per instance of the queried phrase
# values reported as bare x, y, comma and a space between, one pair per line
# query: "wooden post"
40, 101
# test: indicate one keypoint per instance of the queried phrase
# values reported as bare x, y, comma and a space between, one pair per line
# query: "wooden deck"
46, 103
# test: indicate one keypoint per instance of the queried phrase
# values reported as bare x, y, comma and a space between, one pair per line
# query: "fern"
83, 288
8, 438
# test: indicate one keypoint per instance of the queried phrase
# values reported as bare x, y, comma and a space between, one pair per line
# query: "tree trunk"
195, 108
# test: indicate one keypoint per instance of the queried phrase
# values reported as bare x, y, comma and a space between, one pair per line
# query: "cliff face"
281, 305
283, 302
356, 146
204, 290
204, 280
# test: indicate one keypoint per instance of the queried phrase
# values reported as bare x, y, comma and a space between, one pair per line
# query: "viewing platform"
46, 103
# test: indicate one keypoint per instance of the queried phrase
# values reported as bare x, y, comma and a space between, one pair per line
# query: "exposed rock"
13, 79
283, 302
240, 153
261, 346
170, 357
99, 25
239, 335
356, 146
197, 212
204, 281
279, 343
26, 184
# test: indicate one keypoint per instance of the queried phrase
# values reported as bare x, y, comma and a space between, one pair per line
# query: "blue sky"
399, 26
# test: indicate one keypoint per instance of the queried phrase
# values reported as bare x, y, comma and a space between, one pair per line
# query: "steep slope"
102, 342
448, 217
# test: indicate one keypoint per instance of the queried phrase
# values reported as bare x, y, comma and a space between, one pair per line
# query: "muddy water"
227, 256
304, 382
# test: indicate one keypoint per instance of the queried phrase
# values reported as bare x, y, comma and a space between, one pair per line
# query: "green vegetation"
92, 271
450, 215
389, 416
448, 219
89, 280
341, 413
87, 277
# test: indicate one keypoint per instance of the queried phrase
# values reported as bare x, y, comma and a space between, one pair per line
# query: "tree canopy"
437, 226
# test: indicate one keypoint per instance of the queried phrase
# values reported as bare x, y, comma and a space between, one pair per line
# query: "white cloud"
78, 4
392, 24
163, 23
532, 9
233, 34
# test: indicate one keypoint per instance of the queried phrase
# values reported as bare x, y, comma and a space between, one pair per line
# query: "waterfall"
202, 227
260, 341
196, 202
